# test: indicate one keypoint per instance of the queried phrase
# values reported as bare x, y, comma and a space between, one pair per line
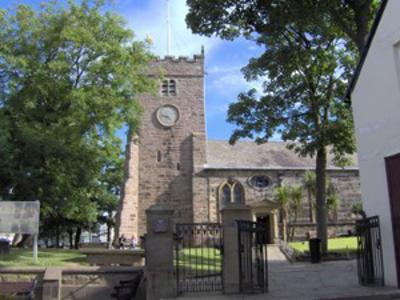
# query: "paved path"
305, 281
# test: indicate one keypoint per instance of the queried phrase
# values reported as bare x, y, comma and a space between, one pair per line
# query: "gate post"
159, 246
231, 275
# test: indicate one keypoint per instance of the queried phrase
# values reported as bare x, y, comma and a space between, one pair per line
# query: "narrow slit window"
178, 166
159, 156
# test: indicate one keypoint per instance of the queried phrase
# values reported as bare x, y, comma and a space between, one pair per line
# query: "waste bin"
315, 250
4, 247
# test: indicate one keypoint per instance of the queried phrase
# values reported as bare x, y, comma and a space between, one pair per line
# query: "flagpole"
168, 30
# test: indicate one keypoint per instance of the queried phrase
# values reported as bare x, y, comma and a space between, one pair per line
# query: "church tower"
160, 162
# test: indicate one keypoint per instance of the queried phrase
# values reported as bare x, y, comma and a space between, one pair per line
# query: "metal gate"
253, 265
198, 257
369, 252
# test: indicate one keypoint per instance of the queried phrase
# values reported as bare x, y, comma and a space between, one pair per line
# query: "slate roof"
271, 155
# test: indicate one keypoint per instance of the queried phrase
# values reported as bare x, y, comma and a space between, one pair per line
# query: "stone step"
386, 296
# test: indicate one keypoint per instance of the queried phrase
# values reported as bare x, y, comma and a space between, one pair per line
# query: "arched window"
237, 193
231, 192
168, 87
225, 195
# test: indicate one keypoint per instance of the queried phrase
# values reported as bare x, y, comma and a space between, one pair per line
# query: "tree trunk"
57, 236
71, 239
282, 224
310, 206
361, 18
321, 199
294, 225
109, 241
285, 227
78, 237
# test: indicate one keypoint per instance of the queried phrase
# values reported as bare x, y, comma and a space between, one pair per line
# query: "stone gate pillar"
230, 215
159, 246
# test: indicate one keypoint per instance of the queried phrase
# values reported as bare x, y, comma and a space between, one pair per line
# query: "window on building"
168, 87
237, 193
231, 192
159, 156
259, 181
225, 195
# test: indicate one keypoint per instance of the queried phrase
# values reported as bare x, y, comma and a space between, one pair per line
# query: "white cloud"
230, 79
150, 20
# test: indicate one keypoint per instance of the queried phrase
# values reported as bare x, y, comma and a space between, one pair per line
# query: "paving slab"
334, 280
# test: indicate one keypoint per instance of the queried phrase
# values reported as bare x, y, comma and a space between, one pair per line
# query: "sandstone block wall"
127, 221
168, 181
347, 184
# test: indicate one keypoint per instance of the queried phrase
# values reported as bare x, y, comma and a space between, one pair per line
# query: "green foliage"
69, 77
334, 245
296, 196
310, 181
282, 196
357, 208
310, 49
230, 19
332, 197
46, 258
200, 259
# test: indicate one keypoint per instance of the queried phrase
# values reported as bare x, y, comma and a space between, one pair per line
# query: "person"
121, 241
133, 242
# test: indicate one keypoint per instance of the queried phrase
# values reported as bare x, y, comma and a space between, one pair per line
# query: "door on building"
393, 178
266, 222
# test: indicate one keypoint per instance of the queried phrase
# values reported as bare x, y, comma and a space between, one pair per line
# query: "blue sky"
224, 59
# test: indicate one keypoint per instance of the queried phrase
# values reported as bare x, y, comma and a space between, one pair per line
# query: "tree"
282, 197
307, 61
310, 186
357, 209
251, 18
332, 200
302, 100
69, 76
296, 196
108, 193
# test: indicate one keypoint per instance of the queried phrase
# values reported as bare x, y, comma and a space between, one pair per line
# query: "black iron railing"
198, 257
253, 266
369, 252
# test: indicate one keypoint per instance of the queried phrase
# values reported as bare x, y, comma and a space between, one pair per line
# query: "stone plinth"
159, 253
52, 284
230, 216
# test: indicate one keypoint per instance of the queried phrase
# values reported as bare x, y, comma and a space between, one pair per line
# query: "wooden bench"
18, 290
126, 290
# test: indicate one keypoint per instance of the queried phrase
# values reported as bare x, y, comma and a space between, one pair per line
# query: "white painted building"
375, 95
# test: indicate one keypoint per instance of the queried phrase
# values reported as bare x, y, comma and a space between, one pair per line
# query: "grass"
46, 257
200, 259
334, 245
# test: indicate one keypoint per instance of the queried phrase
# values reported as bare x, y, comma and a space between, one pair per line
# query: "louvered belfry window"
168, 87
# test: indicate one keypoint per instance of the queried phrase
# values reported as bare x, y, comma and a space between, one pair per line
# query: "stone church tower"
171, 162
171, 145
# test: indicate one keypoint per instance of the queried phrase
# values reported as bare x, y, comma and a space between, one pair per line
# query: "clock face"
167, 115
